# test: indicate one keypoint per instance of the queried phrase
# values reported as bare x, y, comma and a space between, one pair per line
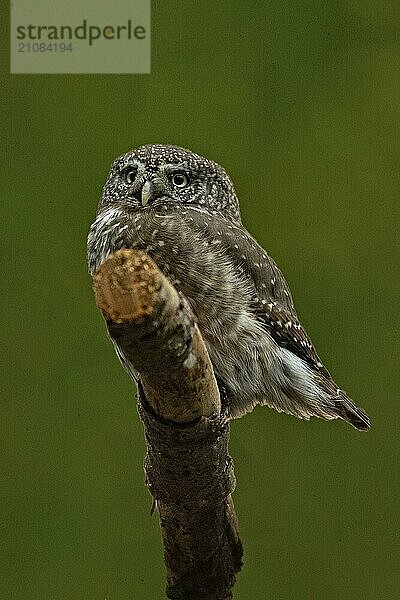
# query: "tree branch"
188, 469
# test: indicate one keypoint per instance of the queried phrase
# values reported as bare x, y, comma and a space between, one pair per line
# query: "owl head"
154, 175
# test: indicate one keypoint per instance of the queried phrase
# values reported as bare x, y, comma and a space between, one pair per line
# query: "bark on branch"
188, 469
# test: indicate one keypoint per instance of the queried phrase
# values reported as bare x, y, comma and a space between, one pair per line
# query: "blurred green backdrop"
300, 102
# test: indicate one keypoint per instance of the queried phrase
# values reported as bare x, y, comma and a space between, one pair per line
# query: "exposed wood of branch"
188, 469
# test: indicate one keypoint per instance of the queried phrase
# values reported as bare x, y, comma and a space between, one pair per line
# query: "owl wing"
275, 309
272, 301
273, 306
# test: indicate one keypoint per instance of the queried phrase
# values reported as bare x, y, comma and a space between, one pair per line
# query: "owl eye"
129, 174
180, 180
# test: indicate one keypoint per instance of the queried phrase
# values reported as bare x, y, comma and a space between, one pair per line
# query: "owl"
183, 211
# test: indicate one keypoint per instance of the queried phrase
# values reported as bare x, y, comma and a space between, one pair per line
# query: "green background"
300, 102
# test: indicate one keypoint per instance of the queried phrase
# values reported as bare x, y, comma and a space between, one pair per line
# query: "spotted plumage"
183, 211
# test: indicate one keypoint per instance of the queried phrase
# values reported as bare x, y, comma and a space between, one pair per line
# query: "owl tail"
351, 413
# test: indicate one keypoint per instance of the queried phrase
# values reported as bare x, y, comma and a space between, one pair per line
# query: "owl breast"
195, 250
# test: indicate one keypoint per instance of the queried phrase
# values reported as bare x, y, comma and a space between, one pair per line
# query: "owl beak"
152, 189
148, 191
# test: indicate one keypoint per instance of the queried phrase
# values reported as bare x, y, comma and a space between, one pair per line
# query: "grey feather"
183, 211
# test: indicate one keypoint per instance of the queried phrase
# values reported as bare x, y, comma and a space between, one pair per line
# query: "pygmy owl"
183, 211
